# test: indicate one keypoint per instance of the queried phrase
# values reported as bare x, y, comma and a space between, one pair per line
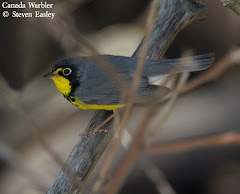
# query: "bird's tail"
194, 63
156, 69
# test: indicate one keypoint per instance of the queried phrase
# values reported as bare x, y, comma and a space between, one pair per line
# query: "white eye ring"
66, 71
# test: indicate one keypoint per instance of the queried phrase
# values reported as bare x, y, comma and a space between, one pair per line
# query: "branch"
12, 158
132, 154
168, 108
32, 128
184, 16
233, 5
154, 8
135, 149
172, 17
156, 176
30, 125
225, 139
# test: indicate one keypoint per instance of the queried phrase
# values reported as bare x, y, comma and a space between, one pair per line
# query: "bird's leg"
98, 128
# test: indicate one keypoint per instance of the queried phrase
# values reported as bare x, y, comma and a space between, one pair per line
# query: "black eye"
66, 71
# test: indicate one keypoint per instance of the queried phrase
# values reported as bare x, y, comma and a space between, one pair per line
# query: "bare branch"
12, 158
142, 55
225, 139
132, 154
138, 141
183, 13
233, 5
72, 42
33, 129
30, 125
168, 107
173, 16
157, 177
133, 91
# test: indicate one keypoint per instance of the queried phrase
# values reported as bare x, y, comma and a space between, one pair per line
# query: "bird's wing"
153, 68
97, 88
104, 91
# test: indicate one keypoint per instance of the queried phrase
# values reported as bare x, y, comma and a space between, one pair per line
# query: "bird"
83, 83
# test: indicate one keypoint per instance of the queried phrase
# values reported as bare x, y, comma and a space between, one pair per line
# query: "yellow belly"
76, 102
63, 85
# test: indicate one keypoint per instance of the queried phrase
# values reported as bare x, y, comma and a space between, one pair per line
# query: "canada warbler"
84, 84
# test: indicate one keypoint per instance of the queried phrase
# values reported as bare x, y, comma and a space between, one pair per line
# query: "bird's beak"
50, 75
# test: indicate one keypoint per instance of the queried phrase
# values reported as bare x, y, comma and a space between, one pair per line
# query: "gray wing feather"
104, 91
97, 88
163, 67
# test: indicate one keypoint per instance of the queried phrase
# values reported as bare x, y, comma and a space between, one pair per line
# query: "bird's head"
63, 75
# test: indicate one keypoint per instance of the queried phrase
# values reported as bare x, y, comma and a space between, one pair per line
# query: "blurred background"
30, 47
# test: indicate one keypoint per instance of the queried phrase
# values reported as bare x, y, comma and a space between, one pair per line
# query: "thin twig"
132, 154
33, 129
155, 175
71, 40
168, 108
67, 7
148, 29
211, 74
137, 143
12, 158
143, 54
225, 139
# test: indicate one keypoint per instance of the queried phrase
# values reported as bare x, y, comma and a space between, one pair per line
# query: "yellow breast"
64, 86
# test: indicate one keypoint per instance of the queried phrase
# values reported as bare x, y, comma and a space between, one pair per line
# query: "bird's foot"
98, 128
93, 131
